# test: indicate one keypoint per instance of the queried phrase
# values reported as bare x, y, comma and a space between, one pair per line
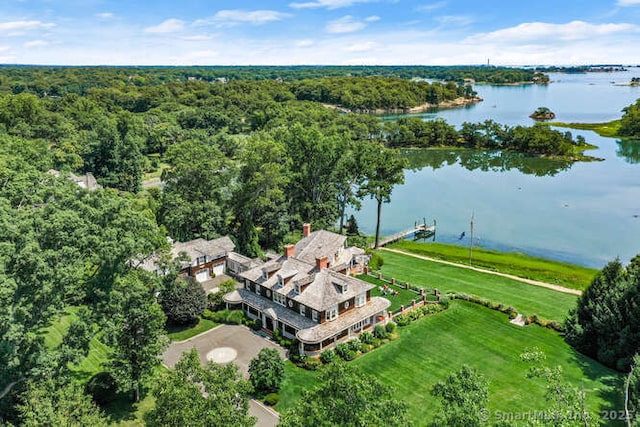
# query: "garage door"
202, 275
218, 269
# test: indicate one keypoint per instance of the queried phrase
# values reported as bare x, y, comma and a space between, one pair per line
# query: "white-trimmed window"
303, 310
257, 289
314, 315
361, 324
201, 260
297, 287
279, 298
280, 281
332, 312
346, 304
361, 299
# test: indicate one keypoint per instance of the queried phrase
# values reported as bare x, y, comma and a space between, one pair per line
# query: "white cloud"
541, 31
373, 18
105, 15
346, 24
624, 3
228, 18
35, 43
328, 4
168, 26
305, 43
431, 6
19, 27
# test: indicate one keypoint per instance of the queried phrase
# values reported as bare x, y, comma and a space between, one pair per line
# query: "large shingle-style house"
205, 259
307, 292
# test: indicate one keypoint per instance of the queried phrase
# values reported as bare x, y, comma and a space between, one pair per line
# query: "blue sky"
242, 32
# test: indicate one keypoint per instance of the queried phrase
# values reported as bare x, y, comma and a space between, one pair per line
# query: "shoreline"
453, 103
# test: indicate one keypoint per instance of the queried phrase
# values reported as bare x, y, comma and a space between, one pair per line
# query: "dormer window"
297, 289
280, 281
265, 275
332, 312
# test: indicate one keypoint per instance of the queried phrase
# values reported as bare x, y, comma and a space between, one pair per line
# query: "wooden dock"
419, 228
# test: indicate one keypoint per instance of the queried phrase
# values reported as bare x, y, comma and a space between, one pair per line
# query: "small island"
543, 113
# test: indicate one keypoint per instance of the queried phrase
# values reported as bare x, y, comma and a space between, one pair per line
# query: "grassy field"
431, 348
557, 273
527, 299
608, 129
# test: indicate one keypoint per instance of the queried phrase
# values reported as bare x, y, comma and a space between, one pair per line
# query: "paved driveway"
225, 343
229, 343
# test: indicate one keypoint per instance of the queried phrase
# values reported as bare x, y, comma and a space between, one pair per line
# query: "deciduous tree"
195, 395
266, 371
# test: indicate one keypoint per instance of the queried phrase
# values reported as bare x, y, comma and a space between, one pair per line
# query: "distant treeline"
537, 139
377, 92
59, 81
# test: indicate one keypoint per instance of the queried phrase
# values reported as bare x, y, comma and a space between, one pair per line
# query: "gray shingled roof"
325, 290
319, 244
321, 332
216, 248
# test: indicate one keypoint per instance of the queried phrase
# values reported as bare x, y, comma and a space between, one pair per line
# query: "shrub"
355, 345
376, 261
183, 301
379, 331
102, 387
266, 371
311, 363
328, 356
271, 399
232, 317
391, 327
366, 337
401, 320
342, 349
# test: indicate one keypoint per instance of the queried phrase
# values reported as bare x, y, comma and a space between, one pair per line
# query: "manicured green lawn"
557, 273
433, 347
181, 333
98, 352
404, 297
527, 299
295, 380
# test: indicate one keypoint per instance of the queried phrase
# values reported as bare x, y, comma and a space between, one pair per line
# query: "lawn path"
495, 273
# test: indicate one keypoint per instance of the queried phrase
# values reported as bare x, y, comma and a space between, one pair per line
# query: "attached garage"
202, 275
218, 269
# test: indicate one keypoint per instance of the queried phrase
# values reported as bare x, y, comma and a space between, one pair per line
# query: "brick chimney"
289, 250
322, 263
306, 229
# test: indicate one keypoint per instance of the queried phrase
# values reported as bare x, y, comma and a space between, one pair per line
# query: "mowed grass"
527, 299
181, 333
557, 273
404, 297
431, 348
428, 350
98, 352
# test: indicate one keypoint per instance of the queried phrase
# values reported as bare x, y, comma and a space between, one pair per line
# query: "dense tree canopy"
346, 397
630, 122
605, 324
195, 395
266, 371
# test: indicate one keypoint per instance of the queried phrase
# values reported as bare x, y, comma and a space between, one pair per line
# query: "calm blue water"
585, 213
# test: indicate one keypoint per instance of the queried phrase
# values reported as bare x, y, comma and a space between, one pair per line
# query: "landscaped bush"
328, 356
102, 387
271, 399
355, 345
380, 332
311, 363
401, 319
444, 302
231, 317
366, 337
391, 327
345, 352
376, 261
